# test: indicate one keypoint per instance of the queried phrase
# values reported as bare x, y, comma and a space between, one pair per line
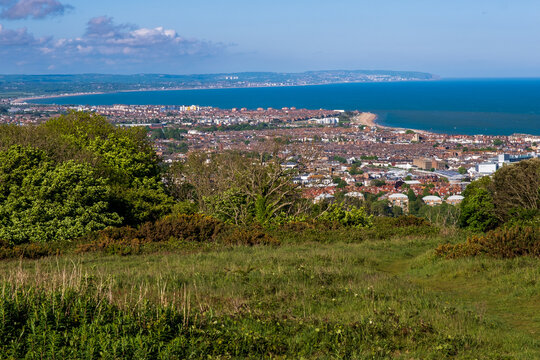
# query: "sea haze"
464, 106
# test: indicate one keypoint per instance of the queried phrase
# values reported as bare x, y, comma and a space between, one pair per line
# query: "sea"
452, 106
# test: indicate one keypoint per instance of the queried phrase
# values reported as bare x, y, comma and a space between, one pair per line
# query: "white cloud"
106, 44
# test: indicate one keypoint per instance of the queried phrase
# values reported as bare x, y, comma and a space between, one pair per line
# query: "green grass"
374, 299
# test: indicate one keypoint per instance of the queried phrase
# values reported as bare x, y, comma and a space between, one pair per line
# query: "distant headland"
23, 87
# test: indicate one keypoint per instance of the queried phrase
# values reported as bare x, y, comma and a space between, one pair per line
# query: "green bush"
353, 217
76, 174
505, 242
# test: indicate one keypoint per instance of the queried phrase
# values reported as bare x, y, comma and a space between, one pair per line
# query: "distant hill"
28, 85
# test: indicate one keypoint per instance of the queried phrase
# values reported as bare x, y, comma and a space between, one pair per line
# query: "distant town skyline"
452, 39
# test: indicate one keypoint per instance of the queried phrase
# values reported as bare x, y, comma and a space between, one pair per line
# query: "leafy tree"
477, 208
462, 170
354, 170
381, 208
516, 190
123, 159
42, 201
339, 182
340, 159
444, 214
377, 182
243, 186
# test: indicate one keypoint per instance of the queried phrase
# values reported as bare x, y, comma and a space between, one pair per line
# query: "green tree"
477, 208
516, 190
42, 201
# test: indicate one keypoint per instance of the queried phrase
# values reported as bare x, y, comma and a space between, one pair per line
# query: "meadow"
359, 299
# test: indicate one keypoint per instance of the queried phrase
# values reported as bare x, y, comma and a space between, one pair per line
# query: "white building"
432, 200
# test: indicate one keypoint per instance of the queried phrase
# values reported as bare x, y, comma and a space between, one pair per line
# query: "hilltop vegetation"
108, 253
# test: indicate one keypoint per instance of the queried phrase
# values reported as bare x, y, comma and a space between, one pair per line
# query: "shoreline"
370, 119
364, 118
40, 97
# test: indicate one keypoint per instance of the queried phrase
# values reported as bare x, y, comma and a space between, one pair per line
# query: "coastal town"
330, 151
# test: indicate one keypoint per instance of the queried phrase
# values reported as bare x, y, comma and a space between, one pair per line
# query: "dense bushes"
73, 175
512, 194
353, 217
195, 228
382, 228
41, 201
505, 242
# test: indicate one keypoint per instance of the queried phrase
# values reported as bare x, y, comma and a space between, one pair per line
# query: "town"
330, 151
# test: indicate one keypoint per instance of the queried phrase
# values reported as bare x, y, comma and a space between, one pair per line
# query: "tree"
377, 182
42, 201
246, 186
122, 158
341, 184
516, 190
462, 170
477, 208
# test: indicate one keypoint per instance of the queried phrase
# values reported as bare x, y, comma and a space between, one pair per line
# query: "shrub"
507, 242
194, 228
28, 251
353, 217
248, 236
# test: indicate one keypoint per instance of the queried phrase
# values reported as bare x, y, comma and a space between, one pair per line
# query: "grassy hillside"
370, 299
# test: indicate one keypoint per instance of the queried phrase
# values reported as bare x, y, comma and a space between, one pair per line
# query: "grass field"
373, 299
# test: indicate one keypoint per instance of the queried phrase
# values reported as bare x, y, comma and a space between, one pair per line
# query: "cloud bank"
105, 46
35, 9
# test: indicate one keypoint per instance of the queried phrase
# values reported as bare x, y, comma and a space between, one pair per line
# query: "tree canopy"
73, 175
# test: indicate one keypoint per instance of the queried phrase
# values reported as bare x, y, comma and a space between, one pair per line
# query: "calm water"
494, 107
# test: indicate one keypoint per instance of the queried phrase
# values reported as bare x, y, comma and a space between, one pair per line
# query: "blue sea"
457, 106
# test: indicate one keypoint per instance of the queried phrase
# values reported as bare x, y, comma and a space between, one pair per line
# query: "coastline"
373, 118
369, 119
40, 97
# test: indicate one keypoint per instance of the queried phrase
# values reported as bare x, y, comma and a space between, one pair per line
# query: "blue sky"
474, 38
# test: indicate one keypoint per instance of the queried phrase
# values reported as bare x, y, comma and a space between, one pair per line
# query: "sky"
458, 38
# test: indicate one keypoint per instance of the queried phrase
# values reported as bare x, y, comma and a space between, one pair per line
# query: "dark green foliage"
378, 182
512, 195
340, 159
515, 190
340, 183
28, 251
504, 242
477, 209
